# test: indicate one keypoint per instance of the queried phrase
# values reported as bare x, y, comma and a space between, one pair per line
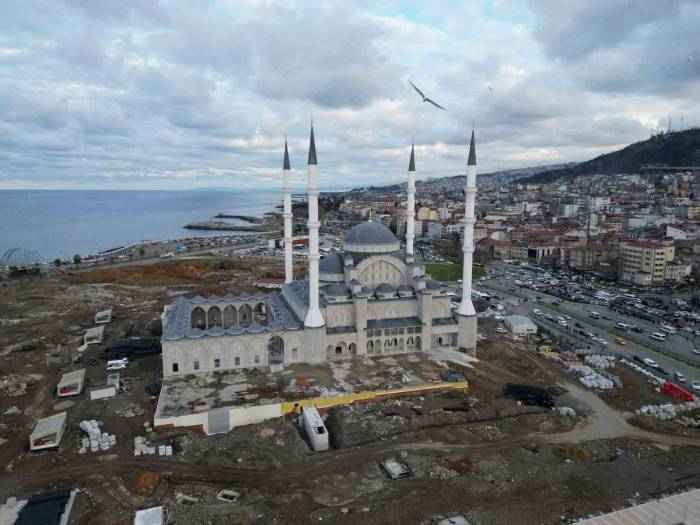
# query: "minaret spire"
410, 203
312, 147
466, 308
287, 216
314, 318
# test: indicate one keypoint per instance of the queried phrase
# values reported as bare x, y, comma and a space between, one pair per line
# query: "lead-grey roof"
285, 165
412, 162
472, 152
312, 147
179, 317
384, 288
331, 263
369, 233
393, 322
336, 290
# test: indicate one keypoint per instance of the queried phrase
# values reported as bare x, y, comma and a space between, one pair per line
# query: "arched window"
329, 352
352, 349
214, 317
199, 318
230, 316
245, 315
377, 346
401, 345
370, 347
418, 342
260, 314
409, 342
394, 342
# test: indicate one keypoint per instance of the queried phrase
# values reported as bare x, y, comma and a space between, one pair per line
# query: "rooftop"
183, 395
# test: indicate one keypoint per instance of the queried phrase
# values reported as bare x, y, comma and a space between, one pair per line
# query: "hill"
679, 148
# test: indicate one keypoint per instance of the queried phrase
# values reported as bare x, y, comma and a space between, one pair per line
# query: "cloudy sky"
200, 94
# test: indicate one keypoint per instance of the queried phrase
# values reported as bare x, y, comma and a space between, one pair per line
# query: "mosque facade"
371, 299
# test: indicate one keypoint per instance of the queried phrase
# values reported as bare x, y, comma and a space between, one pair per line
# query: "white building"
520, 325
373, 298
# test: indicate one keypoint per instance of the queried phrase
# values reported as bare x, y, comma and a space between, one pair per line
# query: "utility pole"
669, 125
681, 124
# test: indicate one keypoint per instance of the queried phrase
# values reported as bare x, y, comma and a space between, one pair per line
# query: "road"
673, 356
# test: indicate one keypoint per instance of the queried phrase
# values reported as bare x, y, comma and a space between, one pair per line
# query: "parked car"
579, 325
650, 362
537, 312
695, 385
636, 329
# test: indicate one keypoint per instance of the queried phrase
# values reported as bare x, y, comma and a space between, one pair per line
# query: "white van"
594, 315
622, 326
667, 328
658, 336
118, 364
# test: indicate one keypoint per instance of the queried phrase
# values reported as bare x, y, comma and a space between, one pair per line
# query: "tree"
142, 251
57, 262
77, 259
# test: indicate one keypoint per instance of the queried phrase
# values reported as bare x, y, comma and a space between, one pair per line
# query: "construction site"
522, 432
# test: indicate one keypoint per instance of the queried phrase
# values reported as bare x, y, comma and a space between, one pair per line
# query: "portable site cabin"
103, 317
315, 429
520, 325
48, 432
103, 392
152, 516
71, 383
94, 335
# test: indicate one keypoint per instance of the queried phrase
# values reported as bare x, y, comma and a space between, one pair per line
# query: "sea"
62, 223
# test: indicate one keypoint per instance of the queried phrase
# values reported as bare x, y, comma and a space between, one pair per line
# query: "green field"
450, 272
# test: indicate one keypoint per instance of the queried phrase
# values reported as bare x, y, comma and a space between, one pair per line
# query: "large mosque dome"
370, 237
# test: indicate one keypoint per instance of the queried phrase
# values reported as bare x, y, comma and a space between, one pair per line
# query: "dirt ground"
468, 453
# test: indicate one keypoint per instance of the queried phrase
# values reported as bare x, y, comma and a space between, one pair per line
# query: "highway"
674, 355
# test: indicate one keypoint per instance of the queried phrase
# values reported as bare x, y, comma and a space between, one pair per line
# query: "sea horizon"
60, 223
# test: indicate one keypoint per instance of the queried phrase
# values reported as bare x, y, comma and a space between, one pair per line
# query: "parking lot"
576, 325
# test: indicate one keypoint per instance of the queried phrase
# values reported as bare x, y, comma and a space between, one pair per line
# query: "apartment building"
644, 262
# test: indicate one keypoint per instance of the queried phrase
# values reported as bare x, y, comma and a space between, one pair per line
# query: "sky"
157, 94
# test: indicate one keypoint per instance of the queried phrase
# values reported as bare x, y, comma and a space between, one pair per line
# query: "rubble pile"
96, 440
589, 377
142, 447
442, 473
669, 411
133, 410
14, 385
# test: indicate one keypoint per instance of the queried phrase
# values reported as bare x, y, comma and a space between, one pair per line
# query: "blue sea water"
61, 223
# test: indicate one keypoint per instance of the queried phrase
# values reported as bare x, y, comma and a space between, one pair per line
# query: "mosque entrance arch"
275, 350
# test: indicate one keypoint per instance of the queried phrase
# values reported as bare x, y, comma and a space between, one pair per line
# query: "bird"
490, 88
426, 99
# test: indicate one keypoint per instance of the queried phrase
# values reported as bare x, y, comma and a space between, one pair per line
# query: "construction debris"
142, 447
14, 385
589, 377
669, 410
96, 440
228, 496
396, 468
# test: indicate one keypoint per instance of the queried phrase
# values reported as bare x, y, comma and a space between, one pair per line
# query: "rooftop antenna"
669, 125
681, 124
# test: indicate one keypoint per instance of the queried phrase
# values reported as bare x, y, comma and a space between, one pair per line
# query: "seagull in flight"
490, 88
426, 99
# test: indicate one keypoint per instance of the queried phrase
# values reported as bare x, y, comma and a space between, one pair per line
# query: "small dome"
384, 288
331, 264
336, 290
369, 233
433, 285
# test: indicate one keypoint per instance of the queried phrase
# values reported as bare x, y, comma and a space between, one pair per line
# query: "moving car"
679, 377
636, 329
658, 336
667, 328
537, 312
620, 341
695, 385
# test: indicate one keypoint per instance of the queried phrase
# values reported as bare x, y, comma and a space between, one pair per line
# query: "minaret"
410, 203
287, 215
466, 308
313, 319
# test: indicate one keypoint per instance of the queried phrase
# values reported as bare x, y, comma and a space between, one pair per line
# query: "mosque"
371, 299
